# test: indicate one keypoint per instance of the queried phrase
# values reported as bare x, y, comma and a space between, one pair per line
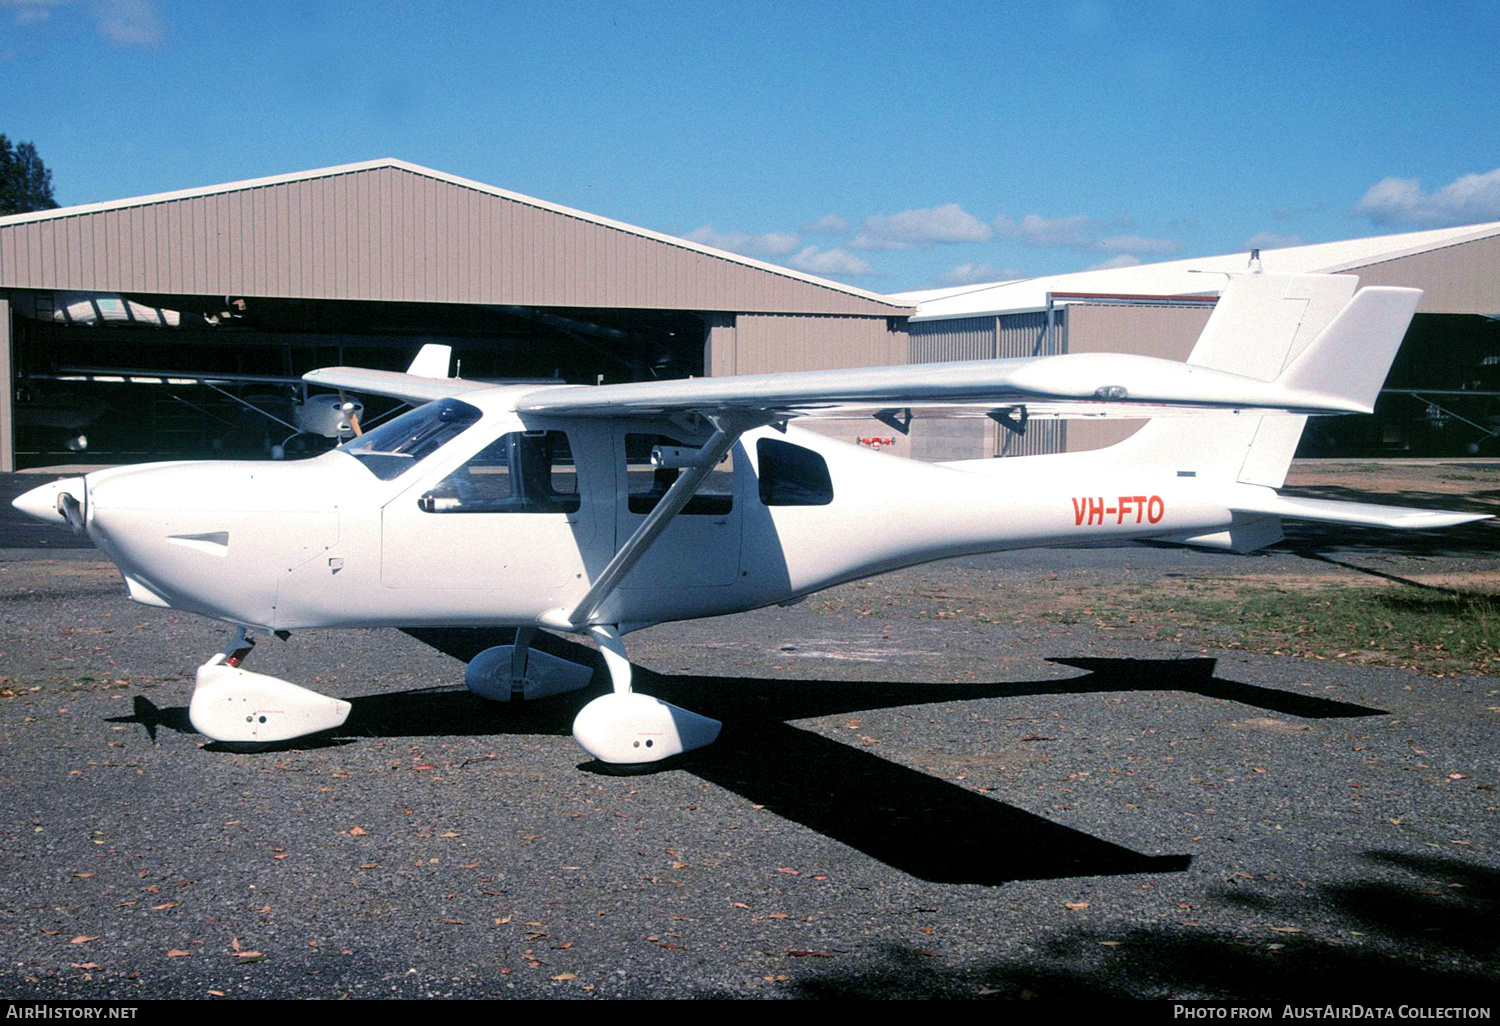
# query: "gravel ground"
902, 803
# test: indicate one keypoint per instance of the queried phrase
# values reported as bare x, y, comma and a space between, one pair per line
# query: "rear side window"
791, 475
649, 482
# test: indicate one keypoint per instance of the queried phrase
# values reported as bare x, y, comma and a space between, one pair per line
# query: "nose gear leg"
232, 704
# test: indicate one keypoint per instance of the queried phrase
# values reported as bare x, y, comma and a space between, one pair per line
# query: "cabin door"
517, 517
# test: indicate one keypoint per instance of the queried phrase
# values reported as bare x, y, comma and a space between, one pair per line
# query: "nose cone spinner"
57, 502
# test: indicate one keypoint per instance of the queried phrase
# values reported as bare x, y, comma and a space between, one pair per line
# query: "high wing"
424, 381
412, 388
1085, 383
1340, 371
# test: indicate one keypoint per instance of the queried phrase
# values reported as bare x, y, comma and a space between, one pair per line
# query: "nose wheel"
232, 704
624, 727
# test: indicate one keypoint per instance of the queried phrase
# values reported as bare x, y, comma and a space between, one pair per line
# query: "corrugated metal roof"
39, 247
1186, 277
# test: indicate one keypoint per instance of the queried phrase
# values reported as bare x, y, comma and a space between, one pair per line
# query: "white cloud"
1135, 244
970, 274
828, 224
1288, 213
919, 228
123, 22
33, 12
771, 244
829, 261
1076, 232
1270, 240
127, 22
1080, 232
1401, 201
1123, 260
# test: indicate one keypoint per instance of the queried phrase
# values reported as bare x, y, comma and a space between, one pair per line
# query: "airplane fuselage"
328, 542
599, 511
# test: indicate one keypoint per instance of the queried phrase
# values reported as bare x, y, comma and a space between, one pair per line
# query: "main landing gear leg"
626, 727
233, 704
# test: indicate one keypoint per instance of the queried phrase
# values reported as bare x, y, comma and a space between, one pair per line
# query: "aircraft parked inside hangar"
599, 510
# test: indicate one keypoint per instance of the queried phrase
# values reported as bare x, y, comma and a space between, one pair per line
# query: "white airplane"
598, 511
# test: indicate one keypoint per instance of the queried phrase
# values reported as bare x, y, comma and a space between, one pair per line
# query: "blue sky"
887, 145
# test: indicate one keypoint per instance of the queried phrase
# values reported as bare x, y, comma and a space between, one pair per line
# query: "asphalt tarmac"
900, 805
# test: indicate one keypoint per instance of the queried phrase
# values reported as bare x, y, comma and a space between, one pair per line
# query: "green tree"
25, 182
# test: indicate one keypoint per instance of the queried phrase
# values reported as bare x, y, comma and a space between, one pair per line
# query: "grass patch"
1435, 631
1441, 627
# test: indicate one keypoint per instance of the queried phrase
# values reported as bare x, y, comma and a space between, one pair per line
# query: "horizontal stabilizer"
1251, 499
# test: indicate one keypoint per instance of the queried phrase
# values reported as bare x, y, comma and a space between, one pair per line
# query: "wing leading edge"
425, 381
1339, 372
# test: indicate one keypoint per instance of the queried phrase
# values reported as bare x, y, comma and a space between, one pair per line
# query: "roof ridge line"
197, 192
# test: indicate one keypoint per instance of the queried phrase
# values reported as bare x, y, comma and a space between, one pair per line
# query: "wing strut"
727, 431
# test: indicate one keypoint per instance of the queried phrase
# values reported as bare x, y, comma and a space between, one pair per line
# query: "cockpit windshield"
394, 448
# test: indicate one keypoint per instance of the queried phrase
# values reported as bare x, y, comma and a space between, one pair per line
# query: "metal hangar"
1442, 397
177, 325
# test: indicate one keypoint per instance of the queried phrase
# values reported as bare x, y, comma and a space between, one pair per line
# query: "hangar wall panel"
766, 343
718, 345
8, 397
1025, 334
1167, 332
1461, 279
961, 338
392, 233
982, 338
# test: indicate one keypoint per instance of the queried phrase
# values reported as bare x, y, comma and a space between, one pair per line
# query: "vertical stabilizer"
432, 361
1259, 327
1262, 322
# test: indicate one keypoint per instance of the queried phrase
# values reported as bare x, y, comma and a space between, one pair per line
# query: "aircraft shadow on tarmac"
930, 828
1425, 927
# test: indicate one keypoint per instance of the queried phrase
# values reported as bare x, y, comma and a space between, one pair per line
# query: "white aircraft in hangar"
600, 510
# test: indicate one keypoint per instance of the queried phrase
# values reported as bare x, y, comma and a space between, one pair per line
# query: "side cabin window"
649, 481
398, 445
519, 472
791, 475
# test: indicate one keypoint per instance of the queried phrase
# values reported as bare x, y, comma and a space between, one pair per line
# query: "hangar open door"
109, 378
